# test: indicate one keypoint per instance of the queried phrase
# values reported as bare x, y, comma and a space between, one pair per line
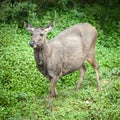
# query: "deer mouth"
35, 46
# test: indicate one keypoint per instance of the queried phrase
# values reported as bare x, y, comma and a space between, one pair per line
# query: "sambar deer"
64, 54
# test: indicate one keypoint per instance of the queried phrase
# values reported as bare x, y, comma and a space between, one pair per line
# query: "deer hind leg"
93, 62
82, 73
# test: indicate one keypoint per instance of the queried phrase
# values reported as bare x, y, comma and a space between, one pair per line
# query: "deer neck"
42, 53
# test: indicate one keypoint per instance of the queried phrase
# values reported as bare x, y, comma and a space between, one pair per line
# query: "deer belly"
72, 66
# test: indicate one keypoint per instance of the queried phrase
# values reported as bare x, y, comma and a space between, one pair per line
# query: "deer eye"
41, 34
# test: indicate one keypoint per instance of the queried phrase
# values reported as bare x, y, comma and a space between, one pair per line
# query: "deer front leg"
82, 73
52, 92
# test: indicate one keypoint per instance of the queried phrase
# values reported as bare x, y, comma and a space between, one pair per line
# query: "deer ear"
49, 27
29, 27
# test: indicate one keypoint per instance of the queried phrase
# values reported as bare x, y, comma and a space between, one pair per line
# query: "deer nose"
32, 43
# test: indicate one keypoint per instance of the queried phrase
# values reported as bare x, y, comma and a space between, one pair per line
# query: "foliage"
16, 13
20, 11
23, 89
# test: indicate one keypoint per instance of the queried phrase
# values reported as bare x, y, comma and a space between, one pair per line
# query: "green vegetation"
23, 89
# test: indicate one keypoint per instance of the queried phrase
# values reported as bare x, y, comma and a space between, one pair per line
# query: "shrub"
16, 13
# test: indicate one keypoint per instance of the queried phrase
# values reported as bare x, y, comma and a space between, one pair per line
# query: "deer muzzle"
33, 44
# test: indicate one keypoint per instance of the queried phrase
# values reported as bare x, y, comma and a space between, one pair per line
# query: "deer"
64, 54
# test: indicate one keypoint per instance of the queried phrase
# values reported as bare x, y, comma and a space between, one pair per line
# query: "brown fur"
65, 53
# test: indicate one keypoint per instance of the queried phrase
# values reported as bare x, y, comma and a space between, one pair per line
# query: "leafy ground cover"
23, 89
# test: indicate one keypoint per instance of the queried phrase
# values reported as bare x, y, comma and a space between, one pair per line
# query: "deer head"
38, 34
